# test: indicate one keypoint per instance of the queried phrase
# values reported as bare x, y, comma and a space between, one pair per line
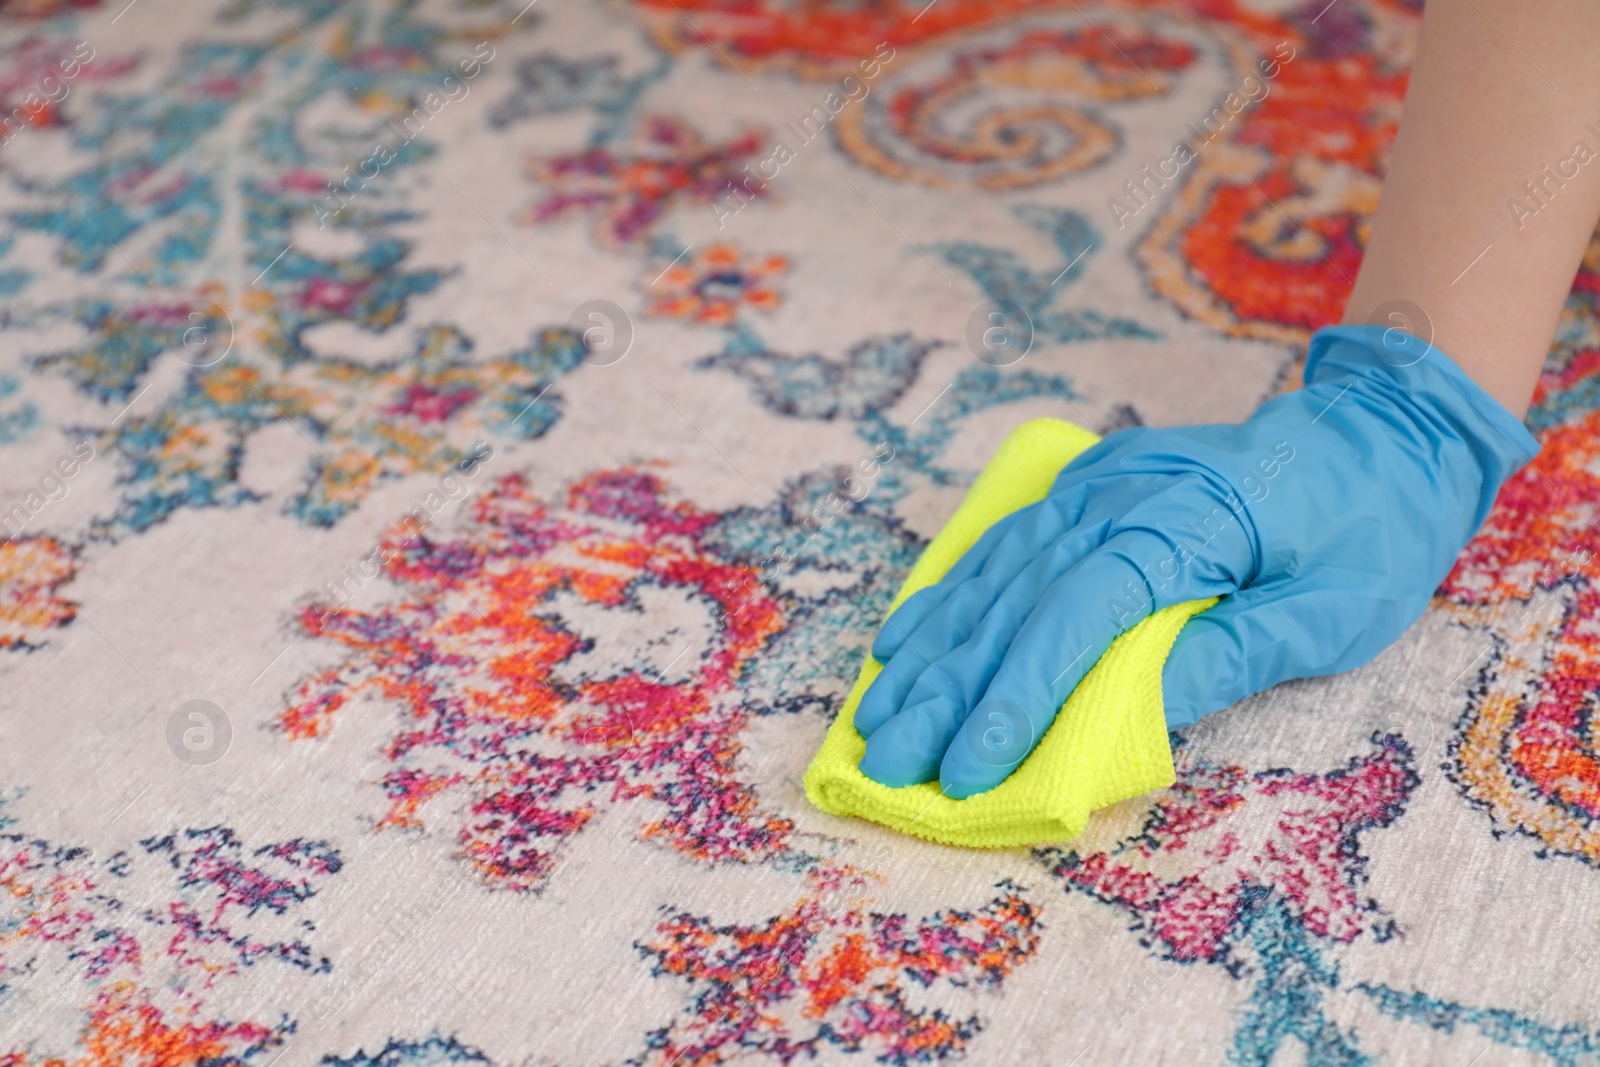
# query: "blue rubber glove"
1325, 521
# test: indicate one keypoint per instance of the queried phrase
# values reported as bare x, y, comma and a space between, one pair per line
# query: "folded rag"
1109, 741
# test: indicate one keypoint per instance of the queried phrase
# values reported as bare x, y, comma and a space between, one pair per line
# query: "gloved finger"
887, 693
900, 623
1067, 632
915, 673
911, 662
1003, 550
914, 744
1116, 457
1249, 641
951, 684
962, 673
906, 749
904, 620
949, 625
1168, 570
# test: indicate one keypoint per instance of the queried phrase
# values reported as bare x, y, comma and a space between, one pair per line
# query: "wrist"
1441, 399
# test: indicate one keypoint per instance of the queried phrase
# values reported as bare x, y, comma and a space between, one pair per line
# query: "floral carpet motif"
454, 456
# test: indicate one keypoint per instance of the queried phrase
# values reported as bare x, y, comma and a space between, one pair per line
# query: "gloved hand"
1324, 521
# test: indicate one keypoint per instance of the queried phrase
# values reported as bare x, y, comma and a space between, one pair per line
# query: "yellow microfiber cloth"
1109, 741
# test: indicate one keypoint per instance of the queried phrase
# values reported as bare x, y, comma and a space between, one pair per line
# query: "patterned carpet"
453, 457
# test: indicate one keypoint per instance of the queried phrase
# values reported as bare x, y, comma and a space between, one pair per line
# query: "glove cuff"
1435, 382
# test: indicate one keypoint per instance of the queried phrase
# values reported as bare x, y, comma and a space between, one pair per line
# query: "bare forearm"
1498, 93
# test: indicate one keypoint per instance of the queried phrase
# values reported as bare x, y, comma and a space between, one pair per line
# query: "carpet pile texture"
454, 457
